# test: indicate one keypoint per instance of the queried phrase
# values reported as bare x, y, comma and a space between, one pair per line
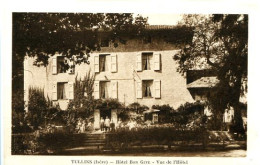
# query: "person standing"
112, 125
107, 124
102, 125
83, 126
228, 117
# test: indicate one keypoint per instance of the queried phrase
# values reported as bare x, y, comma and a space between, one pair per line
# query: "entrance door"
105, 113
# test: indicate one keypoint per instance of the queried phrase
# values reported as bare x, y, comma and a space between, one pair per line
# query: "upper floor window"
61, 64
103, 61
147, 61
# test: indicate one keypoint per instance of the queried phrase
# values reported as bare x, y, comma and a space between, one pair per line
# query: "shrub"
165, 113
155, 135
37, 106
108, 103
17, 108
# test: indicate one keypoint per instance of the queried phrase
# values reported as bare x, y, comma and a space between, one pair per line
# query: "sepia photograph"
129, 84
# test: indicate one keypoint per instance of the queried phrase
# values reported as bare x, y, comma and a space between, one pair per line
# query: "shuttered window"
96, 63
96, 90
114, 89
113, 63
157, 61
54, 91
139, 62
139, 91
71, 90
157, 88
54, 65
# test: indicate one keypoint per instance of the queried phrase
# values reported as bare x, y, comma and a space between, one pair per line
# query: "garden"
46, 129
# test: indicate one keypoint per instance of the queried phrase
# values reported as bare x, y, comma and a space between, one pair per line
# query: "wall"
173, 84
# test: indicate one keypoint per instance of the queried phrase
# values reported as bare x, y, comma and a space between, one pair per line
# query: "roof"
159, 27
204, 82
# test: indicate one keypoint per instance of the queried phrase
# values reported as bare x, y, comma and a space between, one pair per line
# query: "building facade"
138, 71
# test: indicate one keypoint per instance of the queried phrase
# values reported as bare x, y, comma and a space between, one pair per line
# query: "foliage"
220, 43
18, 108
74, 35
83, 101
109, 104
189, 114
136, 107
164, 115
155, 135
42, 34
39, 143
23, 144
37, 106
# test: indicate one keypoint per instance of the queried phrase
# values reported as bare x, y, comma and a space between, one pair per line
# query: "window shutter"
71, 90
139, 91
54, 65
96, 63
139, 62
114, 89
54, 91
157, 87
96, 90
157, 60
113, 63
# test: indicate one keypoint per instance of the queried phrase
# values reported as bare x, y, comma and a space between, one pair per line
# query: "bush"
165, 113
108, 103
39, 142
155, 135
37, 106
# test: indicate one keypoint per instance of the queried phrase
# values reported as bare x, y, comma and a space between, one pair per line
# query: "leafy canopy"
42, 34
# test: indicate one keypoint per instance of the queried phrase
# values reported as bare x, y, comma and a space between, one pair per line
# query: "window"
103, 63
62, 64
147, 61
147, 88
104, 89
62, 90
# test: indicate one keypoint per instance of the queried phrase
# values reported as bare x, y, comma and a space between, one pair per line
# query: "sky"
162, 19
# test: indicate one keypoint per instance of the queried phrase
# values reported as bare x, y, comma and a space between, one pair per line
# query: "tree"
74, 35
220, 43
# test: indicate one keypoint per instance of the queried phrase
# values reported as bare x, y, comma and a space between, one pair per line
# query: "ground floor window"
62, 90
